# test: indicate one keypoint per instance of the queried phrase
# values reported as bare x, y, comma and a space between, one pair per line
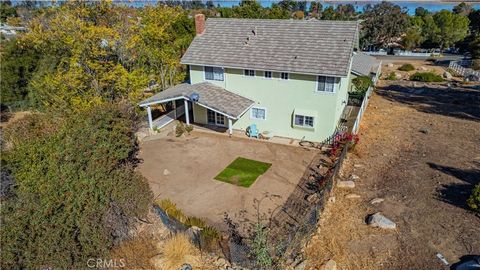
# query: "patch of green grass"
243, 172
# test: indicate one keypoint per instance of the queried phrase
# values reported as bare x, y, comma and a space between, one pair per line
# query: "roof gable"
307, 47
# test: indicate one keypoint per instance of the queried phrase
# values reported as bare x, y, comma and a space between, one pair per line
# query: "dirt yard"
182, 170
419, 151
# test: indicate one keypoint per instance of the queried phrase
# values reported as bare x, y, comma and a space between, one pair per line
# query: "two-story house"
289, 77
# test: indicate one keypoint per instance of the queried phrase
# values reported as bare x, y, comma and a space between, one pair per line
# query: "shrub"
194, 221
362, 84
391, 76
209, 236
136, 253
179, 129
474, 199
406, 67
476, 64
188, 129
171, 209
175, 251
77, 191
426, 77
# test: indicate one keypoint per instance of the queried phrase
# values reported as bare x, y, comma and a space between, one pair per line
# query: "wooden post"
149, 112
230, 129
187, 117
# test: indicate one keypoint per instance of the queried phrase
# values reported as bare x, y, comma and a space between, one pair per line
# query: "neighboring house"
289, 77
364, 65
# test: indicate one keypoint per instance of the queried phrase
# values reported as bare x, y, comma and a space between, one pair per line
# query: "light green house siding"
281, 98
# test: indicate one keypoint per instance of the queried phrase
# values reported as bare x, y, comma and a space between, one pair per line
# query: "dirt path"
420, 151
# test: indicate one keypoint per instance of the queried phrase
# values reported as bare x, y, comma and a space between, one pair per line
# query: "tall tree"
383, 24
451, 28
462, 9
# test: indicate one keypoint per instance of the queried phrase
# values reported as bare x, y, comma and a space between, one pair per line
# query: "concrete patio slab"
194, 161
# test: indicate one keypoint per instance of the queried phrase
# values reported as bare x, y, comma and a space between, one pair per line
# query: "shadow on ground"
455, 100
457, 193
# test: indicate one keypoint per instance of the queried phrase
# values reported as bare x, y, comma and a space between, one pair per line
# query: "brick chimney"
199, 24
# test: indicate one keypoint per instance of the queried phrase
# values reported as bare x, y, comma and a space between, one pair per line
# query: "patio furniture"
252, 131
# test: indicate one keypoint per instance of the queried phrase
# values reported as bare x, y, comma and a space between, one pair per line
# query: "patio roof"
364, 64
211, 97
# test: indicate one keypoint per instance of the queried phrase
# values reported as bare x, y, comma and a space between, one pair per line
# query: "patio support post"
230, 130
174, 109
149, 112
187, 117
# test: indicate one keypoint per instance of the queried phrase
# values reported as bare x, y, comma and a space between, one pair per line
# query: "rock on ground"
378, 220
447, 75
330, 265
166, 172
301, 265
377, 200
353, 196
345, 184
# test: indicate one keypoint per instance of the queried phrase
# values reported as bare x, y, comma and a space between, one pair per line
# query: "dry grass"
137, 252
176, 251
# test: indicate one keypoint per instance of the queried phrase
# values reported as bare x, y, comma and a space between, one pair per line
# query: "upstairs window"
214, 73
268, 74
326, 84
249, 72
284, 76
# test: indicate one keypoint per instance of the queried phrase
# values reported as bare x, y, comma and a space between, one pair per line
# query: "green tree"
414, 36
329, 13
462, 9
7, 10
19, 63
383, 24
451, 28
421, 12
77, 192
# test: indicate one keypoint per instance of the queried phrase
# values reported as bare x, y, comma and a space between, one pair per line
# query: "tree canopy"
383, 24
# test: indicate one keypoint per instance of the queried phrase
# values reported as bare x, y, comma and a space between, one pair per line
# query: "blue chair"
253, 131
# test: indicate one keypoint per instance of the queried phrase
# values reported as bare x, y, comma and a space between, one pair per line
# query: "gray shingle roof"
295, 46
364, 64
211, 95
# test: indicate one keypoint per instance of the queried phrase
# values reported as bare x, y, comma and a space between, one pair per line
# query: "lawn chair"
252, 131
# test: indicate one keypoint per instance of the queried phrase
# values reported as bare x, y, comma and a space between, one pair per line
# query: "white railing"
356, 125
458, 67
363, 107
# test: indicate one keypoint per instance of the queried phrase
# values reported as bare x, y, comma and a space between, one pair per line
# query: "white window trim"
254, 73
271, 74
205, 74
304, 126
280, 76
216, 113
261, 108
335, 85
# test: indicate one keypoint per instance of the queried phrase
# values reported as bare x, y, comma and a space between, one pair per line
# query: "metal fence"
462, 68
290, 227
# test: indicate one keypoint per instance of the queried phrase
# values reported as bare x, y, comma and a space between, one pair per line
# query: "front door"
214, 118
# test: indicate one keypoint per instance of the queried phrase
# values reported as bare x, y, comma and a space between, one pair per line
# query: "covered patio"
209, 104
